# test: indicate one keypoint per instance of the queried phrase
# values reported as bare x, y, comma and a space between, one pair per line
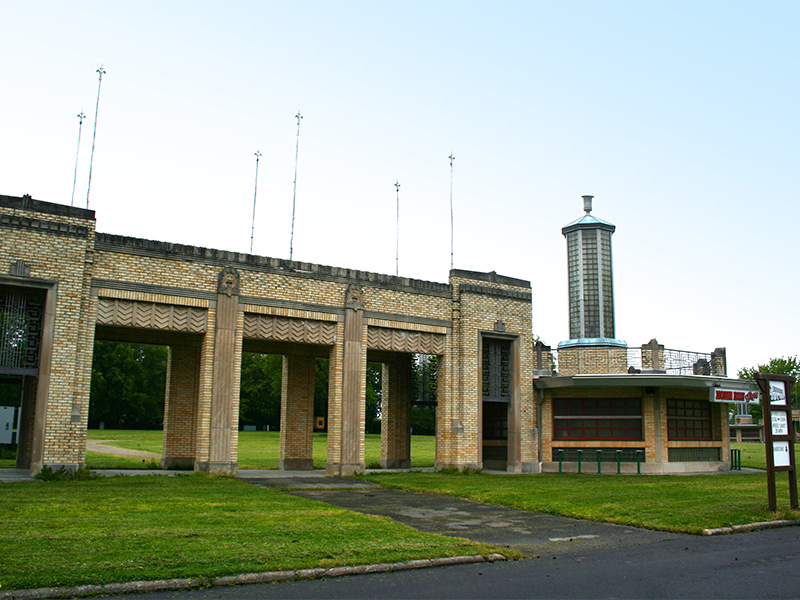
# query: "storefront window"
689, 420
597, 418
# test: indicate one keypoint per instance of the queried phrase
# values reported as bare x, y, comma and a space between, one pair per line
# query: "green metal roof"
588, 221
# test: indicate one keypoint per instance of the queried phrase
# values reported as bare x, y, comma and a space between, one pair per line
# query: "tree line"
129, 385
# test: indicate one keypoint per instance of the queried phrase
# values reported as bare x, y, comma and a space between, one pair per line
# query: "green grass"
152, 527
257, 449
686, 504
754, 455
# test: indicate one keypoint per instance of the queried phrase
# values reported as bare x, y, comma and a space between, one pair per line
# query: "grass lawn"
120, 529
754, 455
668, 502
257, 449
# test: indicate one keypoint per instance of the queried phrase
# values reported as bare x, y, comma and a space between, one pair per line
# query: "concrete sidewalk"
533, 534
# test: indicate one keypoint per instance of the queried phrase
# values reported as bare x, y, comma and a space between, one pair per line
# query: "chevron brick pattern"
398, 340
286, 329
150, 315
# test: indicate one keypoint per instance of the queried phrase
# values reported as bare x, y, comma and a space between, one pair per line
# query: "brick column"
297, 413
653, 355
346, 412
719, 365
224, 386
180, 408
395, 413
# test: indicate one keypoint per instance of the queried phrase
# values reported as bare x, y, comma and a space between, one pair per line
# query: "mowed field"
257, 449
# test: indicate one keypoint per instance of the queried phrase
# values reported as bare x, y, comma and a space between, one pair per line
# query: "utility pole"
255, 194
100, 72
299, 117
81, 117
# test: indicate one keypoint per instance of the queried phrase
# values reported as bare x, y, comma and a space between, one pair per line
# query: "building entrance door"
497, 384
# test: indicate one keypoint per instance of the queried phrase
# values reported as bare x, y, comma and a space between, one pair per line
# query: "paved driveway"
533, 534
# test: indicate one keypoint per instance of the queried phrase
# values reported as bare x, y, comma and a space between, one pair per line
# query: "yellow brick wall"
65, 259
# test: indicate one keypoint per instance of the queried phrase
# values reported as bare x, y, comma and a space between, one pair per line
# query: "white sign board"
777, 393
7, 424
780, 425
780, 454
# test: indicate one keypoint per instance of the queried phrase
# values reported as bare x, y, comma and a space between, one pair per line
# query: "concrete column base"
344, 469
71, 467
396, 463
295, 464
179, 463
217, 468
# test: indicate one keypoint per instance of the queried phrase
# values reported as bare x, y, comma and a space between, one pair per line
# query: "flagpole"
81, 117
101, 72
255, 194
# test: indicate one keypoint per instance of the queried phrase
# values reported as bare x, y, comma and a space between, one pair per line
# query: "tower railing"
650, 359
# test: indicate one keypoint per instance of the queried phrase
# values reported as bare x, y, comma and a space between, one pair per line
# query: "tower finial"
587, 203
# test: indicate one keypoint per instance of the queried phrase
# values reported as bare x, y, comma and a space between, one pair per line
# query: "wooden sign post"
778, 432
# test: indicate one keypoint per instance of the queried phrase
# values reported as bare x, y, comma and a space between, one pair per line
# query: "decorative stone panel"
285, 329
397, 340
149, 315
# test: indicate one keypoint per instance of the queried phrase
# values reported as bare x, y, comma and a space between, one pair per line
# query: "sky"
680, 118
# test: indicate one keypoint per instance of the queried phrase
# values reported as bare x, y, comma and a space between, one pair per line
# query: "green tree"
372, 418
260, 390
424, 383
778, 366
128, 385
321, 389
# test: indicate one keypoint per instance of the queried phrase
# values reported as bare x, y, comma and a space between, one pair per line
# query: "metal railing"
675, 362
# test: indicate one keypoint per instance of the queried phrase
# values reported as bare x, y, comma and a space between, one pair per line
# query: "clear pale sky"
679, 117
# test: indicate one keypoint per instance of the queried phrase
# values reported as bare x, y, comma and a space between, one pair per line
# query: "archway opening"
422, 419
127, 405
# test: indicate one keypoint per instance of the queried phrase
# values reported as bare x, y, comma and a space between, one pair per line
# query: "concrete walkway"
533, 534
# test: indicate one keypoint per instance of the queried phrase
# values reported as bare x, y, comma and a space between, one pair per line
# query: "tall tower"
591, 287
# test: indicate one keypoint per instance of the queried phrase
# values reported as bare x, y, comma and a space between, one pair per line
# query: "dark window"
597, 418
495, 421
688, 420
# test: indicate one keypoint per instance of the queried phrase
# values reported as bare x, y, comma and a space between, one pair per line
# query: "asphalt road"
763, 564
568, 558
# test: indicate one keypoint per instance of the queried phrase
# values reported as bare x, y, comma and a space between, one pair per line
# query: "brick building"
63, 285
645, 409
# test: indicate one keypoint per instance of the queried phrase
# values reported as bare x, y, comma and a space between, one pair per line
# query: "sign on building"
720, 394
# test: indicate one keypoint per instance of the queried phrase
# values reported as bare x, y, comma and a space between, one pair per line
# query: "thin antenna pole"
452, 158
299, 117
81, 117
397, 243
255, 194
101, 72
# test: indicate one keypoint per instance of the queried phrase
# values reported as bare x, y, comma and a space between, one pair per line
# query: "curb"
750, 527
248, 578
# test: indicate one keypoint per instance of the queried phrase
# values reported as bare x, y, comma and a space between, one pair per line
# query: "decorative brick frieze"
413, 342
300, 331
497, 293
148, 315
